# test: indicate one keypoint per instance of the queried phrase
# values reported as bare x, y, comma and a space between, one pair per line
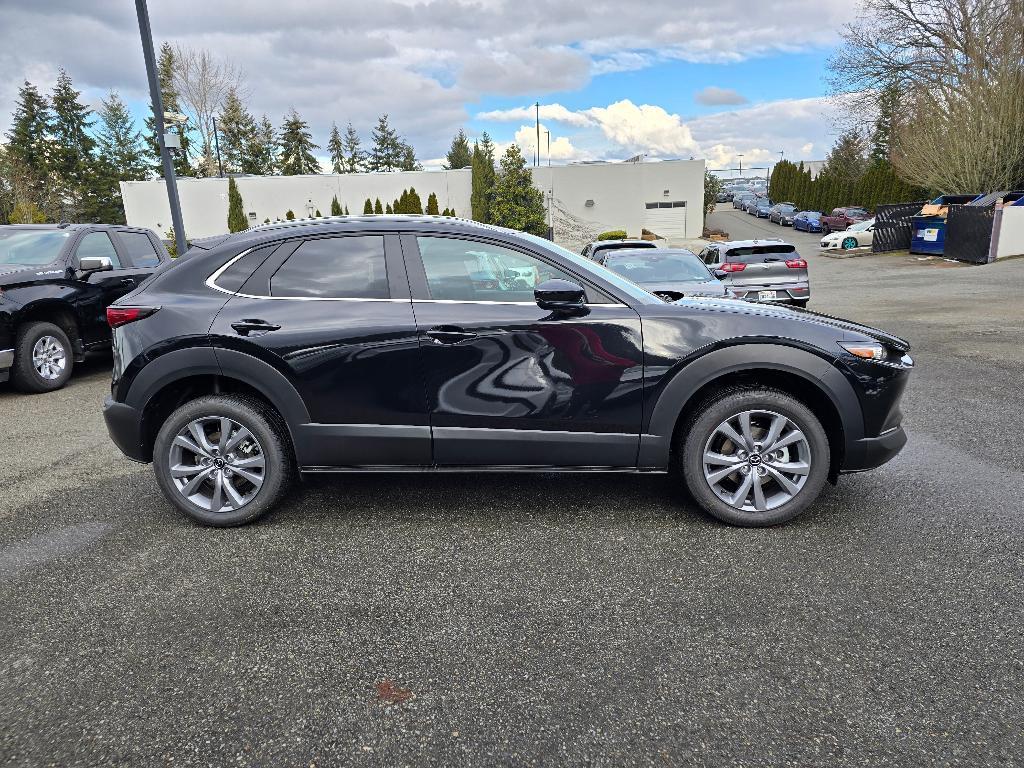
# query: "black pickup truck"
56, 281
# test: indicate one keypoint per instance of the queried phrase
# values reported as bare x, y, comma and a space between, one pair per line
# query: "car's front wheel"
849, 243
754, 456
43, 358
223, 460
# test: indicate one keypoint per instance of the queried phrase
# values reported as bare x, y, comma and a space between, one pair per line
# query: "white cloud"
644, 128
715, 96
553, 112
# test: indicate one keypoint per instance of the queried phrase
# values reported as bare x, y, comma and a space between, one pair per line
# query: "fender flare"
656, 441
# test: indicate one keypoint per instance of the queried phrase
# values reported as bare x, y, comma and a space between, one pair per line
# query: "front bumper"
870, 452
124, 424
6, 363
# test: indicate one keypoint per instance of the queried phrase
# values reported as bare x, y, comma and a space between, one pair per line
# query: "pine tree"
355, 158
346, 210
413, 203
517, 204
28, 138
377, 207
459, 154
71, 160
407, 158
318, 215
336, 149
261, 155
367, 207
384, 156
846, 161
388, 209
237, 129
884, 129
296, 142
396, 207
483, 179
236, 210
432, 205
166, 65
335, 207
121, 155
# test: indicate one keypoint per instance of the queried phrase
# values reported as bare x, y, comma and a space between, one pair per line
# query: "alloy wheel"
849, 243
217, 464
49, 358
756, 461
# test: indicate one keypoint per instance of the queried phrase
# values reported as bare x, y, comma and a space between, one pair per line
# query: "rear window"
140, 249
234, 277
335, 268
618, 246
758, 254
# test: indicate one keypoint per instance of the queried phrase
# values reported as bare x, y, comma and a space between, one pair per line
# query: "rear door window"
97, 244
141, 251
351, 267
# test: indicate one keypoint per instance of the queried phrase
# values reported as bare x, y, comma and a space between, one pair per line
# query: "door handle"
127, 281
450, 334
245, 327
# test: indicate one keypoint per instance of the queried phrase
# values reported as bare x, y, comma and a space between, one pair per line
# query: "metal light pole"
551, 192
158, 121
536, 156
216, 143
741, 165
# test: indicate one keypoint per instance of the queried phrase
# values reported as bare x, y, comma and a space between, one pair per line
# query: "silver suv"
760, 270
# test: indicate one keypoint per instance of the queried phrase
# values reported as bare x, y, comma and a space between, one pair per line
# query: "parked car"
841, 218
725, 196
761, 209
807, 221
56, 281
740, 200
362, 344
782, 213
669, 273
857, 236
760, 270
593, 250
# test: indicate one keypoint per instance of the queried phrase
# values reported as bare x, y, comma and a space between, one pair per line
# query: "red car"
841, 218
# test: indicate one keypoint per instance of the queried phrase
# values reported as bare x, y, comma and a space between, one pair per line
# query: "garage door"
666, 219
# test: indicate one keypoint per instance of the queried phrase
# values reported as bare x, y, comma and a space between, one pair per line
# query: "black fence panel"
893, 229
969, 233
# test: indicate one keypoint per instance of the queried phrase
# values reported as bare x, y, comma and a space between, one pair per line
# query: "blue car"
807, 221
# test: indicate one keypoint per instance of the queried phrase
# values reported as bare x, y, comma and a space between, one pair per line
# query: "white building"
583, 200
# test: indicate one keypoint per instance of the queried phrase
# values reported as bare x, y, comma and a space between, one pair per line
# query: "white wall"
619, 192
1010, 232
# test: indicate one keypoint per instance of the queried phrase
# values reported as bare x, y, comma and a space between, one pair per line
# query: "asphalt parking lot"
462, 620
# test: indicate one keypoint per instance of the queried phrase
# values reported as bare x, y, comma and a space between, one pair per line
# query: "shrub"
612, 234
290, 215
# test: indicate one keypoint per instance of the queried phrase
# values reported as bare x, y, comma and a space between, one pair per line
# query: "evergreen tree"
377, 207
28, 137
432, 205
385, 153
121, 156
483, 179
236, 211
336, 149
289, 215
261, 155
355, 158
884, 129
517, 204
451, 212
396, 207
413, 204
388, 209
72, 160
846, 162
296, 147
407, 158
318, 215
166, 65
336, 207
459, 154
367, 207
237, 130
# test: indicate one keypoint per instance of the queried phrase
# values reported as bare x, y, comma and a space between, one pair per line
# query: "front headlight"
868, 350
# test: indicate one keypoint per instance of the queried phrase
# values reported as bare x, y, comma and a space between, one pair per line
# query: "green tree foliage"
289, 215
712, 186
318, 215
236, 211
28, 140
413, 203
459, 154
166, 65
355, 158
261, 156
432, 209
388, 209
336, 149
238, 131
367, 207
385, 155
346, 210
336, 207
884, 129
517, 204
407, 158
377, 207
120, 156
483, 178
847, 161
296, 147
72, 165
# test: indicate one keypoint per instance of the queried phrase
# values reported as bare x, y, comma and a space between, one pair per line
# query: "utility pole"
536, 156
551, 193
216, 143
158, 121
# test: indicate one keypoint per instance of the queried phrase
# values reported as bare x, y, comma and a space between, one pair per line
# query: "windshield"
862, 225
586, 266
30, 247
786, 209
659, 267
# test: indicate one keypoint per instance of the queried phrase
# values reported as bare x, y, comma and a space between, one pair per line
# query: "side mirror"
95, 264
558, 295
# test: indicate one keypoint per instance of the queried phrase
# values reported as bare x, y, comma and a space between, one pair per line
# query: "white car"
857, 236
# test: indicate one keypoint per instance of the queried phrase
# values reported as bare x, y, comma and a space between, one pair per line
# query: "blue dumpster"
928, 234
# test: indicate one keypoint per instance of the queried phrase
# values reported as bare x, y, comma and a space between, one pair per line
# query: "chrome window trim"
508, 303
211, 282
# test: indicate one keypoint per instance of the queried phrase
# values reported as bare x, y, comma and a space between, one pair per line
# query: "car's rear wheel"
849, 243
223, 460
754, 457
43, 358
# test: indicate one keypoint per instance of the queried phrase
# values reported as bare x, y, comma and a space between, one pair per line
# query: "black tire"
24, 375
272, 436
826, 230
731, 402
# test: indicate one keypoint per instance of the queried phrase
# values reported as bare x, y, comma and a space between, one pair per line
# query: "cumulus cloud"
714, 96
644, 128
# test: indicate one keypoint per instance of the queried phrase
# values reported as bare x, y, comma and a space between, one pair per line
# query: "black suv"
56, 281
424, 343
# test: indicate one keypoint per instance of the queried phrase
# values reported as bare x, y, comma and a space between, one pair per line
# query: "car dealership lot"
531, 617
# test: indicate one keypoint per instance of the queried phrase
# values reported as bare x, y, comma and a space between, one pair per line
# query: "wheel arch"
55, 311
810, 378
